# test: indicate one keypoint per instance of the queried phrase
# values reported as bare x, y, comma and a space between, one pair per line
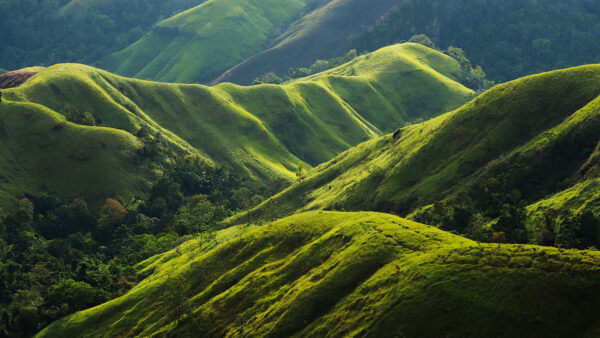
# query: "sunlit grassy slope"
264, 131
534, 135
199, 44
351, 274
41, 151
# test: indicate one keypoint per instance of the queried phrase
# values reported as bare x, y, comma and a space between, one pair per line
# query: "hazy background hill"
243, 40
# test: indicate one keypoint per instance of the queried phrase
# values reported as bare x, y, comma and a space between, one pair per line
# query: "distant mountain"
263, 132
84, 31
200, 44
521, 37
351, 274
517, 144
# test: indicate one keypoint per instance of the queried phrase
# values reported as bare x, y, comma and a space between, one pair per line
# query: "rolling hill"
520, 142
351, 274
263, 132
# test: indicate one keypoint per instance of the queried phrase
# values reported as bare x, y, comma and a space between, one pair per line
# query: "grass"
263, 132
199, 44
351, 274
525, 130
41, 151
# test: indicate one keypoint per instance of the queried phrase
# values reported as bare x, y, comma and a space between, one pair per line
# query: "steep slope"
264, 131
199, 44
528, 138
351, 274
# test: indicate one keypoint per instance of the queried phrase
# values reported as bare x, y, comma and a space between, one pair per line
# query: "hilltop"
518, 143
348, 274
263, 132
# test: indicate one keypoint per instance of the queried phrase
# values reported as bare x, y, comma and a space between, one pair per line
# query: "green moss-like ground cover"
351, 274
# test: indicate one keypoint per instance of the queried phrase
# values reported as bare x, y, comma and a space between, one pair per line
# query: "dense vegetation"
51, 31
351, 274
59, 257
517, 164
509, 39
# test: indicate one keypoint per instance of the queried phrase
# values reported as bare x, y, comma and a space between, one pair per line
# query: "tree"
423, 40
300, 172
111, 215
75, 295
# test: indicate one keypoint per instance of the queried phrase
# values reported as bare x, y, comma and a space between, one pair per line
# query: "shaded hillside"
321, 34
509, 39
347, 274
262, 132
199, 44
515, 144
49, 32
41, 151
520, 37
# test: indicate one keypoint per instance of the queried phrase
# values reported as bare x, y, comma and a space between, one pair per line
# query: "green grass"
263, 132
351, 274
536, 131
2, 71
41, 151
205, 40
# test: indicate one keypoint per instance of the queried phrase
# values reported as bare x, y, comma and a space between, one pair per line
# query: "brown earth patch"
15, 79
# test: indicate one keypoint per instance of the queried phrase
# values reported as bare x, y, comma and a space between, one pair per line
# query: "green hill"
518, 143
263, 132
41, 151
201, 43
351, 274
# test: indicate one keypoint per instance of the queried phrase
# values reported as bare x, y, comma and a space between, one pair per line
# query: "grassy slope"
346, 274
263, 131
321, 34
40, 150
538, 130
2, 71
205, 40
